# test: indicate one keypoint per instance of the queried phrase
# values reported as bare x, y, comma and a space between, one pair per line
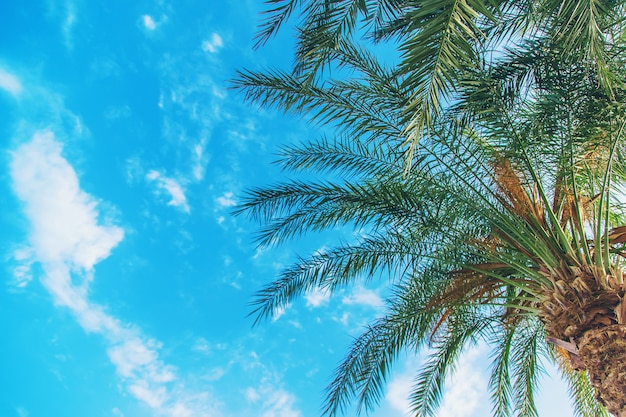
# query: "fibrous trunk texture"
586, 312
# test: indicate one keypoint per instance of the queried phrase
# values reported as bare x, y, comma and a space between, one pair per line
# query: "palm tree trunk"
587, 308
603, 353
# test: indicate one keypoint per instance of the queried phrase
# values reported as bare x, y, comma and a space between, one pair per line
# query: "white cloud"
153, 397
213, 44
201, 345
464, 391
64, 218
252, 395
68, 238
10, 83
226, 200
317, 297
148, 22
172, 187
24, 256
280, 311
344, 319
279, 403
398, 392
273, 401
363, 296
215, 374
68, 24
200, 159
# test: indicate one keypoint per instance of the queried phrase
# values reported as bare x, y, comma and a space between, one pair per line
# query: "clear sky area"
126, 281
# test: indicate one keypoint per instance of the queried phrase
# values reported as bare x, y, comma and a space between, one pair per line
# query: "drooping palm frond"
582, 393
406, 325
341, 156
444, 42
581, 28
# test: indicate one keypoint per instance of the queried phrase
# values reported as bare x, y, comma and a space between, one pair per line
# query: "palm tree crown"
439, 40
507, 227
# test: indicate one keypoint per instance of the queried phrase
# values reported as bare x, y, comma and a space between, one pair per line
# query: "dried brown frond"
440, 322
466, 285
489, 244
516, 196
567, 353
470, 284
579, 213
617, 235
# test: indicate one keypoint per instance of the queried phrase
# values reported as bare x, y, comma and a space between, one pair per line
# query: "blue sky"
126, 281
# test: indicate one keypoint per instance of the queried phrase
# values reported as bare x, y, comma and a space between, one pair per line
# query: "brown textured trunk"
586, 314
603, 353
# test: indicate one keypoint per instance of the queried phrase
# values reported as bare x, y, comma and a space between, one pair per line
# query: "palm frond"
334, 268
445, 35
582, 394
464, 327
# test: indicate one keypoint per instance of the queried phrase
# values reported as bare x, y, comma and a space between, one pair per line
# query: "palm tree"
507, 229
439, 39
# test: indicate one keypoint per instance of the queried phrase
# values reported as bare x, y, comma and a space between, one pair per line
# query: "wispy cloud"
226, 200
148, 22
189, 106
171, 187
68, 24
199, 159
399, 391
317, 297
212, 44
465, 390
270, 399
363, 296
68, 240
23, 256
10, 83
117, 112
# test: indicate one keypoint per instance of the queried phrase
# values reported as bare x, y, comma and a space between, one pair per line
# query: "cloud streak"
213, 44
10, 83
148, 22
363, 296
171, 187
68, 240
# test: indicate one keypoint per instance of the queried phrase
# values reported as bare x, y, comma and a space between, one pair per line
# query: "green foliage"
479, 168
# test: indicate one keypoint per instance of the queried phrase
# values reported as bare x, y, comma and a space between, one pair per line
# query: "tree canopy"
486, 169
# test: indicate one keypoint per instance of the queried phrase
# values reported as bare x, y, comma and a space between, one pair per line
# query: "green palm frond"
465, 326
444, 41
582, 394
581, 27
276, 16
342, 156
335, 268
500, 380
362, 373
346, 105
